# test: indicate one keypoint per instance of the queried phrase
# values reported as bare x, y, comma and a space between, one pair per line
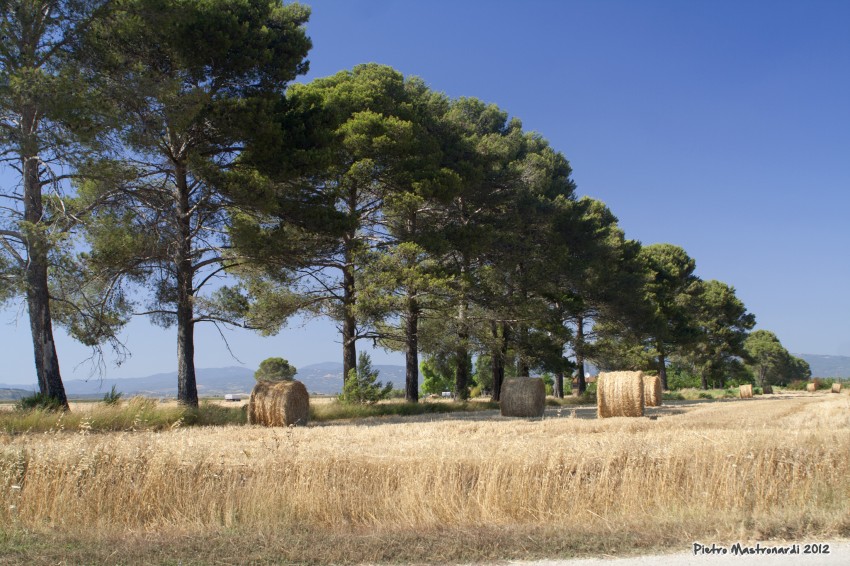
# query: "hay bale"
619, 394
279, 403
836, 388
811, 386
746, 391
652, 393
523, 397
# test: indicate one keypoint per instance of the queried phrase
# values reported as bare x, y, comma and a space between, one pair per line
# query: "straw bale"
746, 391
836, 388
279, 403
652, 393
523, 397
811, 386
619, 394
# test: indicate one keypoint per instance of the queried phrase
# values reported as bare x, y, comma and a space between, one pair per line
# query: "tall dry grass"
683, 475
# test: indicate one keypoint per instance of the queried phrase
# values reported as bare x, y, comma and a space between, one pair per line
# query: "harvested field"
347, 492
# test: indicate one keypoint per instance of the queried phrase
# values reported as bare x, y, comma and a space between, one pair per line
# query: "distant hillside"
10, 394
324, 378
827, 366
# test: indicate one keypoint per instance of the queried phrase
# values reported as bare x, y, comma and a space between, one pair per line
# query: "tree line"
165, 164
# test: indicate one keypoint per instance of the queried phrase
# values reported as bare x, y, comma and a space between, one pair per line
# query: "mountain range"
322, 378
827, 366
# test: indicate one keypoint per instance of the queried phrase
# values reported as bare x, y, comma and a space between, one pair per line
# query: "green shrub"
39, 401
113, 397
362, 386
705, 395
758, 391
797, 385
672, 396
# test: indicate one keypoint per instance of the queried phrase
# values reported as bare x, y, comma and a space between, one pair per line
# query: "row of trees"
206, 188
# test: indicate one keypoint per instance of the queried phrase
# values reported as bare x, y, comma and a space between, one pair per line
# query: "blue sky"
719, 126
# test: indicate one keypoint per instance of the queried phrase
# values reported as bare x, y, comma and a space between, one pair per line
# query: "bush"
758, 391
797, 385
113, 397
39, 401
362, 386
705, 395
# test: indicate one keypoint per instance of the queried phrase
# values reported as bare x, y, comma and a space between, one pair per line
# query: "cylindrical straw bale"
746, 391
523, 397
279, 403
619, 394
652, 394
811, 387
836, 388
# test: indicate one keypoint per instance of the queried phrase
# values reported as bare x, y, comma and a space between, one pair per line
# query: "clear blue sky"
720, 126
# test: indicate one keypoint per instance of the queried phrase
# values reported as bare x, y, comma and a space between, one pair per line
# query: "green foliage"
771, 363
275, 369
437, 375
39, 402
548, 382
362, 386
113, 397
681, 377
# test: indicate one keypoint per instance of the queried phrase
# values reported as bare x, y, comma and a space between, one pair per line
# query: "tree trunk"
349, 322
522, 368
558, 389
187, 387
662, 370
411, 381
38, 291
462, 355
498, 360
579, 349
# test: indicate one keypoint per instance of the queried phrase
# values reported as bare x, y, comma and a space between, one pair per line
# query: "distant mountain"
827, 366
13, 394
324, 378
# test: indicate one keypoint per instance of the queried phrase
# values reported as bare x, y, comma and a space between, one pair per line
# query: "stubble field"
437, 488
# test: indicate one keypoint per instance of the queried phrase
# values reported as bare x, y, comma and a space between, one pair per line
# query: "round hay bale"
652, 393
523, 397
279, 403
836, 388
746, 391
619, 394
811, 387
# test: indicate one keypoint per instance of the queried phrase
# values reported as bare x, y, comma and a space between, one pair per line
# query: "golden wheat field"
433, 489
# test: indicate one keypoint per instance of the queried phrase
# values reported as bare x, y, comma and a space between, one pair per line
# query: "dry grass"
432, 490
620, 394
